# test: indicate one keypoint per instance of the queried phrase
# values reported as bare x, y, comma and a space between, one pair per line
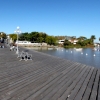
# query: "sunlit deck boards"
46, 78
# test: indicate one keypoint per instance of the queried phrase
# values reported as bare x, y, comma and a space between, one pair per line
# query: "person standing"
2, 42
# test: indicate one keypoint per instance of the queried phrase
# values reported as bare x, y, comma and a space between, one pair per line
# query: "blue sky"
54, 17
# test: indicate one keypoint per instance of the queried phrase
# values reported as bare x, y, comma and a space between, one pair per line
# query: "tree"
60, 37
82, 38
3, 35
40, 39
44, 35
73, 38
81, 43
24, 36
51, 40
13, 36
92, 38
34, 36
67, 43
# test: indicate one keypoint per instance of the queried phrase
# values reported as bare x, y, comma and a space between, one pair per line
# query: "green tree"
82, 38
88, 41
67, 43
13, 36
40, 39
51, 40
60, 37
34, 36
3, 35
73, 38
44, 35
92, 39
24, 36
81, 43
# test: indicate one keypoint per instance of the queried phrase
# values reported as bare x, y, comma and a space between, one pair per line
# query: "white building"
61, 41
22, 42
28, 43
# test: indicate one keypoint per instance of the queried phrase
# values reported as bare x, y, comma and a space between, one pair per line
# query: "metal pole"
17, 31
17, 43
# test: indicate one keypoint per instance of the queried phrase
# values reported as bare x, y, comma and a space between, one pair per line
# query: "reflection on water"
86, 56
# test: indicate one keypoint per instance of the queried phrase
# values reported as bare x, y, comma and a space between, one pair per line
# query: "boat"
96, 49
78, 49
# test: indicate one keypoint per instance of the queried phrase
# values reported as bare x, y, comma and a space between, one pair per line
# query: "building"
61, 41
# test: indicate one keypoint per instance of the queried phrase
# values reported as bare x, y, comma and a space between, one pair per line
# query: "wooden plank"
89, 87
45, 87
95, 87
78, 86
84, 85
50, 91
98, 94
28, 87
64, 91
36, 89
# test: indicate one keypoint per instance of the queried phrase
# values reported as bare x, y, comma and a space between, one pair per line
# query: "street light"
17, 32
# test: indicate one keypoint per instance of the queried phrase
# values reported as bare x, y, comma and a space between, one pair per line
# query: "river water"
85, 56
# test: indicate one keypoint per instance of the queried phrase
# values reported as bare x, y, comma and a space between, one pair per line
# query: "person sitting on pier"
12, 47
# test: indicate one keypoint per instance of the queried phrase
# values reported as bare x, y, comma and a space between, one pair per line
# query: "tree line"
82, 41
40, 37
35, 37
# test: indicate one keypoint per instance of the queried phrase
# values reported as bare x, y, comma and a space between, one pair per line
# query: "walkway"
46, 78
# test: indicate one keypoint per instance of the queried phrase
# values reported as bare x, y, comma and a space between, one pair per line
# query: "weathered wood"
57, 83
83, 87
46, 78
87, 93
95, 87
31, 87
78, 86
98, 92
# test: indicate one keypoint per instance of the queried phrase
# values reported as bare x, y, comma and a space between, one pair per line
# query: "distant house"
73, 41
61, 41
70, 39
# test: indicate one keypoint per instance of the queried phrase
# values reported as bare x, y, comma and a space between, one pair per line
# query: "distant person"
2, 40
2, 43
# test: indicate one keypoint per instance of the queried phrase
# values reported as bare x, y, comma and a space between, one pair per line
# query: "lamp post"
17, 32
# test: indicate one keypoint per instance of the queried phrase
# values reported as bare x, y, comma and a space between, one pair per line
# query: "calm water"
86, 56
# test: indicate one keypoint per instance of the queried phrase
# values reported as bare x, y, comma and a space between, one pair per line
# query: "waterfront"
87, 56
46, 77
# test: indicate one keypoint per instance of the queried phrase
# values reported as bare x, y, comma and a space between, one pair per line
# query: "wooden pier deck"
46, 78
